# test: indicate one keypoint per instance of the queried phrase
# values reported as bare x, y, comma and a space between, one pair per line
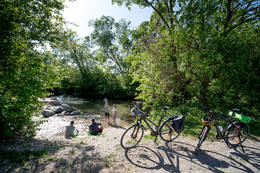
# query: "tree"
209, 48
113, 41
25, 71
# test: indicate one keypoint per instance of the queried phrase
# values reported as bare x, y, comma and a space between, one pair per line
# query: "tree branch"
171, 11
240, 23
158, 12
229, 14
243, 14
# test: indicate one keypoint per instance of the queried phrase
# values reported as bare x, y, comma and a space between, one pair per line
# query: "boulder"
61, 114
58, 110
67, 113
47, 113
68, 108
55, 103
75, 113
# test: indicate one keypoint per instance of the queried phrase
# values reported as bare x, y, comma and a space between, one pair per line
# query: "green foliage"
201, 52
96, 65
193, 115
25, 72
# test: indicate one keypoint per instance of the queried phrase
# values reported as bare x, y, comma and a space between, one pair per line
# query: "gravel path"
104, 154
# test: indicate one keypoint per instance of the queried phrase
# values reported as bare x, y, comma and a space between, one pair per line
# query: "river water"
96, 106
55, 125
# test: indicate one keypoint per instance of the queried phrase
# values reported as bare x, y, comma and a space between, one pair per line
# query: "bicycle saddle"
165, 108
236, 110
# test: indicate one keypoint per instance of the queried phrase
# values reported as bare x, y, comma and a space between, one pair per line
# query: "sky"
80, 12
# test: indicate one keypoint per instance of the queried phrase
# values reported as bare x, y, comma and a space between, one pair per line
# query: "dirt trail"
104, 154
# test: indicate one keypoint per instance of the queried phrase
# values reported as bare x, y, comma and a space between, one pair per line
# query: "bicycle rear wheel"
236, 133
202, 136
166, 131
132, 136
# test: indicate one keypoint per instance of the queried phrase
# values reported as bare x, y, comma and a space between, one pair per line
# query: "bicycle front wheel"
202, 136
132, 136
236, 133
166, 131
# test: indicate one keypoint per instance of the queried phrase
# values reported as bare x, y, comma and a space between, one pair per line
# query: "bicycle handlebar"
135, 111
214, 115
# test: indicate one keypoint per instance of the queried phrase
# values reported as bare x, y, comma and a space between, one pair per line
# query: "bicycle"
168, 130
235, 133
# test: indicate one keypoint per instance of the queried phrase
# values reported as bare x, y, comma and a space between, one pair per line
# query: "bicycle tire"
166, 131
202, 136
236, 133
131, 140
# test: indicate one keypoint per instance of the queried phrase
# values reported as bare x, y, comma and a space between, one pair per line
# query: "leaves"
25, 72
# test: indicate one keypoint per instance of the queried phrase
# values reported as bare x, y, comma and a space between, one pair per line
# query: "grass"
132, 141
72, 152
149, 137
118, 147
51, 159
111, 156
83, 143
109, 159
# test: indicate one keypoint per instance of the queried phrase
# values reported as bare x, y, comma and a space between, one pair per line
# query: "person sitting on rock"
70, 131
95, 127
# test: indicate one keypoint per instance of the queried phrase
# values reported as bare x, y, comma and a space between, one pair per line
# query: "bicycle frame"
222, 133
148, 122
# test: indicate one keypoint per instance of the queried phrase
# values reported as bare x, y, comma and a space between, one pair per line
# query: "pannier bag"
178, 123
240, 117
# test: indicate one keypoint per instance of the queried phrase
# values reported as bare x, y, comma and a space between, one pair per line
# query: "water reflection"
96, 106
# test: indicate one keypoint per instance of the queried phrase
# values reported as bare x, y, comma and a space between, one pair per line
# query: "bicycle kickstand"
155, 140
242, 148
240, 145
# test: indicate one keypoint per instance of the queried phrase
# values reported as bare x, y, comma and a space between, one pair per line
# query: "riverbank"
103, 153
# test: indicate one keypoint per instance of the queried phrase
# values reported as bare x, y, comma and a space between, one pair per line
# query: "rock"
67, 108
67, 113
47, 113
61, 114
75, 113
58, 110
55, 103
53, 98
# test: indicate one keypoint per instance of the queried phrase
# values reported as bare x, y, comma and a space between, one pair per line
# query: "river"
96, 106
55, 125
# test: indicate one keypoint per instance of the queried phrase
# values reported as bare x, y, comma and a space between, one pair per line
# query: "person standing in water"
114, 114
106, 109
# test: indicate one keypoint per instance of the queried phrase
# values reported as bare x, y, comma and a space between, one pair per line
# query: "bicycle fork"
202, 136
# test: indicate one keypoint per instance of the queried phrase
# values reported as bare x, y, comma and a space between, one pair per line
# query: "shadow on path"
47, 156
170, 158
144, 157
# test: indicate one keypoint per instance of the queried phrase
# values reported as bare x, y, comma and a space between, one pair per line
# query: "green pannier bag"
242, 118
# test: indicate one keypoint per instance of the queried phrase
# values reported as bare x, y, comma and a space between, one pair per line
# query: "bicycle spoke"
236, 134
167, 132
132, 136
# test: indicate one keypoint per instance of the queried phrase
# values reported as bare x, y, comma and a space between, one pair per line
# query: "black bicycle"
168, 130
235, 133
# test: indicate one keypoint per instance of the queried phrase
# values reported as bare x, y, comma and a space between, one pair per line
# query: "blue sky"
80, 12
